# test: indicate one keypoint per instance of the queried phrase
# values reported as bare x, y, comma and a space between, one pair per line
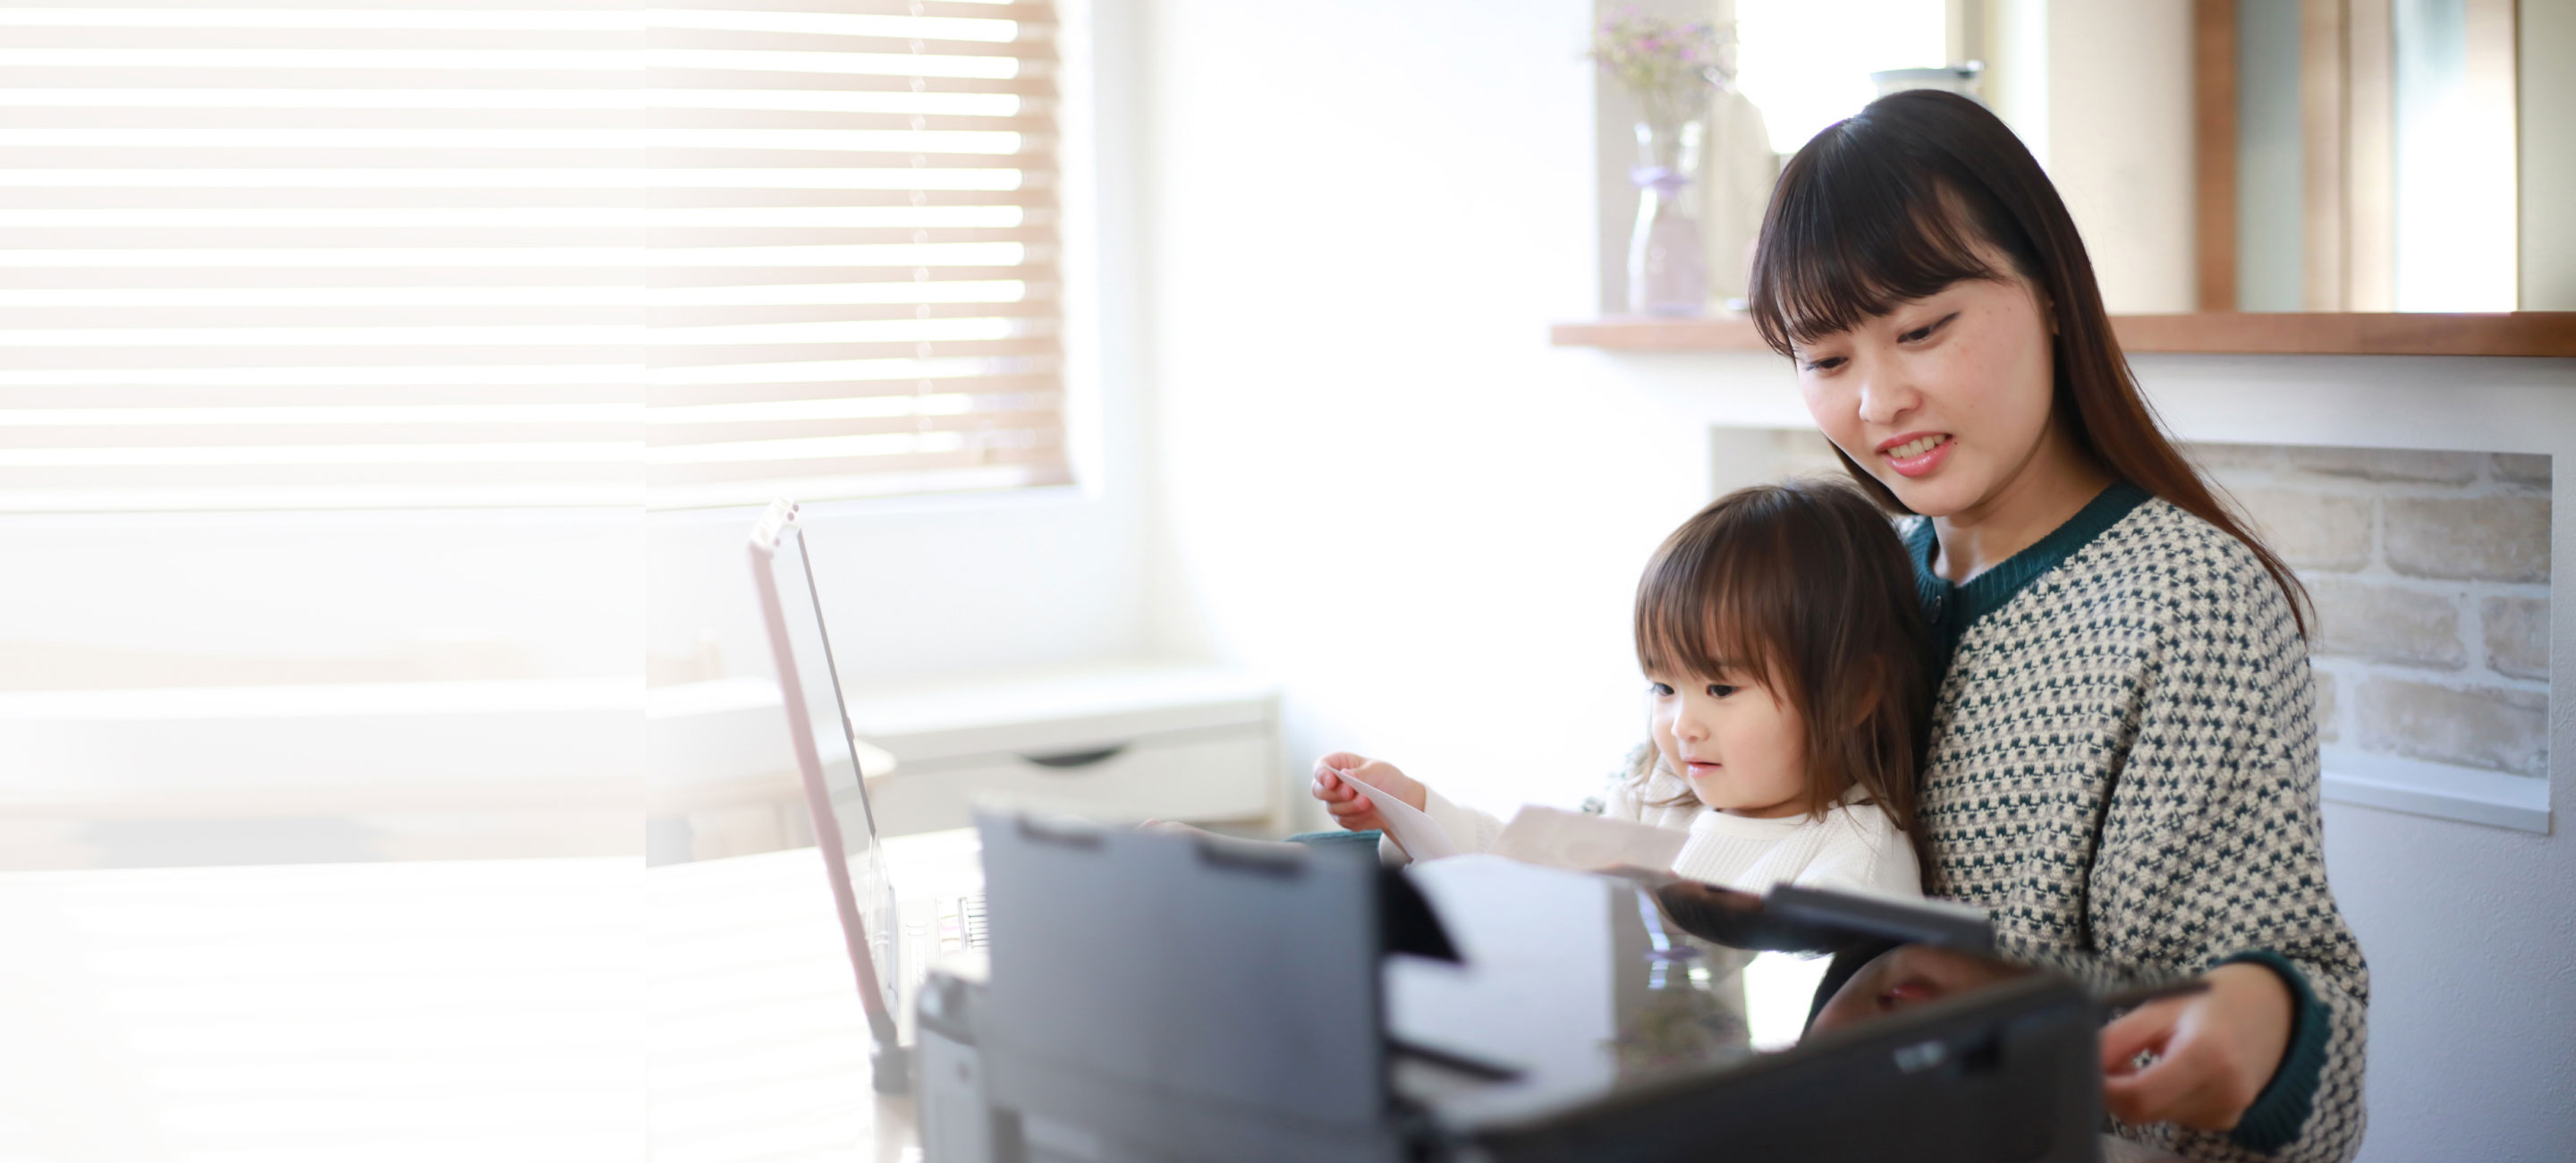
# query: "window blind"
460, 253
853, 249
356, 253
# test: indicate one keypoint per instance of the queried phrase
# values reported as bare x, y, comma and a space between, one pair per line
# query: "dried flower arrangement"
1670, 66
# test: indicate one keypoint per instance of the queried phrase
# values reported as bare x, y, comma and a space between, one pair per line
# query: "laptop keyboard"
962, 925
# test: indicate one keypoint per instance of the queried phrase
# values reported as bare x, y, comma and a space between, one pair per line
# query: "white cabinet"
1116, 741
1120, 742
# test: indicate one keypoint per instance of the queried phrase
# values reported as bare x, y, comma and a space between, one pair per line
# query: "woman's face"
1945, 399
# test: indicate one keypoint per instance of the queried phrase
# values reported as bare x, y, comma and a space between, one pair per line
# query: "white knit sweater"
1853, 847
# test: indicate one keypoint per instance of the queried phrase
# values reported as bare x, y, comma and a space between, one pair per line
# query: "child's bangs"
1852, 232
1701, 622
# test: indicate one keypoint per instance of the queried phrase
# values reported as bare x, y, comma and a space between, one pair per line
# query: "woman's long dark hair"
1804, 588
1889, 206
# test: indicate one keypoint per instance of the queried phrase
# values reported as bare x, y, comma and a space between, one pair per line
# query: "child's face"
1743, 751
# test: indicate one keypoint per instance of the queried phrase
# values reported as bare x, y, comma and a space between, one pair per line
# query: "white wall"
1378, 481
2467, 934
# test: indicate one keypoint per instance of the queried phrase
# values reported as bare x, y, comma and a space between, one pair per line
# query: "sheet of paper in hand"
1586, 843
1421, 837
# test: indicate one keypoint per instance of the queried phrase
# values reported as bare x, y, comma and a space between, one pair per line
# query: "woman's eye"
1924, 332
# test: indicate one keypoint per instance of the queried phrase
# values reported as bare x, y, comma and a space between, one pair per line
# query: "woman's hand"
2215, 1051
1349, 808
1908, 976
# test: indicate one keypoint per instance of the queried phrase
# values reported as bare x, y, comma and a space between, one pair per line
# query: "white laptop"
874, 918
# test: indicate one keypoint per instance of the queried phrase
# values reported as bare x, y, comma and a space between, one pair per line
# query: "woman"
2122, 765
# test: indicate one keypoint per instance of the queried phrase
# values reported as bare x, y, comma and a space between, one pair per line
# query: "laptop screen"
826, 711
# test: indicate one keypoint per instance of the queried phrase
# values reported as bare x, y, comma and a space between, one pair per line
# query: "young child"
1783, 649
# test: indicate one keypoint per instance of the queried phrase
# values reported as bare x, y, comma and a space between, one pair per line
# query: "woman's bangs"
1853, 231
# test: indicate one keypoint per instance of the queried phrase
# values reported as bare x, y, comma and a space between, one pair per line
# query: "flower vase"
1667, 261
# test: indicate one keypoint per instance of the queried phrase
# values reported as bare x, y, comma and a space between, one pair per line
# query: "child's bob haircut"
1804, 588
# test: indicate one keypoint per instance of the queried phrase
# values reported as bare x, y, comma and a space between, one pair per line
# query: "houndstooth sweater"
2123, 770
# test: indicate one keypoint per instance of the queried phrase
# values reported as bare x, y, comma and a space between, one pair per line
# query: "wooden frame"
2347, 113
2322, 123
2520, 333
2213, 116
2347, 89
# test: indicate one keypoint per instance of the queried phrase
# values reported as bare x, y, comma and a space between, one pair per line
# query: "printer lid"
1923, 1043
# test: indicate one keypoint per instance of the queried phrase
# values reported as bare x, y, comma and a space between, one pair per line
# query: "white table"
478, 1010
758, 1043
553, 1011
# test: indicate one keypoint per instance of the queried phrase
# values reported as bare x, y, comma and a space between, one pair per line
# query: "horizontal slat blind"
456, 253
300, 254
853, 250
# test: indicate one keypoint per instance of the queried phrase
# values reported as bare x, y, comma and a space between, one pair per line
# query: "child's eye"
1660, 690
1720, 690
1826, 364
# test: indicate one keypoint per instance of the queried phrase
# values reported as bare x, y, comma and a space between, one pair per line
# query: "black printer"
1167, 997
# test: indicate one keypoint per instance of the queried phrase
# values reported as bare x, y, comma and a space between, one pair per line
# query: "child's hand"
1349, 808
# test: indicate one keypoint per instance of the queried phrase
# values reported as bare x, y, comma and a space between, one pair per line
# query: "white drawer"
1214, 775
1048, 710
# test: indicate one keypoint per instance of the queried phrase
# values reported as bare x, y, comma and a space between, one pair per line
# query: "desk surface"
759, 1047
484, 1010
481, 1010
323, 1013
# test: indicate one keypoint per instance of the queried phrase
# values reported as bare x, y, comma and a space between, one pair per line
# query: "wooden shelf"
2543, 333
1646, 333
2525, 333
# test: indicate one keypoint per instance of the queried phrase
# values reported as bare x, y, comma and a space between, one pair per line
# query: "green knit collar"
1988, 591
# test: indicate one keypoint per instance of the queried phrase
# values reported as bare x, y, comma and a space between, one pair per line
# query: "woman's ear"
2047, 305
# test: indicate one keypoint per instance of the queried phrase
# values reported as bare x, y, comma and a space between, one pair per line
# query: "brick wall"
2430, 577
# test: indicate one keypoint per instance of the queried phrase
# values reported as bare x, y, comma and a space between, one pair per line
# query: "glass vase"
1667, 262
